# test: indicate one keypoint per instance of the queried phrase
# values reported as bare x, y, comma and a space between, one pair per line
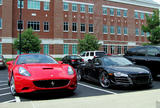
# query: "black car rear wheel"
79, 75
103, 80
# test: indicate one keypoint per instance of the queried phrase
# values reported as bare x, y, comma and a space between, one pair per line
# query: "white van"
91, 54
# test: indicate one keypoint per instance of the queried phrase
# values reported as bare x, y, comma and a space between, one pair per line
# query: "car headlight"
70, 71
119, 74
24, 72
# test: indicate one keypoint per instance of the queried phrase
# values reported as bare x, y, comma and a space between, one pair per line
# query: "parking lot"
84, 89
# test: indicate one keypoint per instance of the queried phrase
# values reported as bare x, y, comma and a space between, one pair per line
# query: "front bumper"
26, 84
132, 80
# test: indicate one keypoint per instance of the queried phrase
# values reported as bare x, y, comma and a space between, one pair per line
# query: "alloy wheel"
12, 86
103, 80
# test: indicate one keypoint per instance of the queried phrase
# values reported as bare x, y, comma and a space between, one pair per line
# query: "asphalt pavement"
84, 90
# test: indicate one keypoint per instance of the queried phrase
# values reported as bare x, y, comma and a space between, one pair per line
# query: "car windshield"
35, 58
117, 61
75, 57
100, 54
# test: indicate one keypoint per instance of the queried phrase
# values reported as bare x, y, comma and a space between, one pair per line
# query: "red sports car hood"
47, 71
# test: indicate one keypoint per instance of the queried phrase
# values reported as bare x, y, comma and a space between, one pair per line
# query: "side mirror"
60, 62
10, 63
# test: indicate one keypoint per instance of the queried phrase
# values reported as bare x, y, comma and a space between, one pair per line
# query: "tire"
79, 75
104, 81
12, 87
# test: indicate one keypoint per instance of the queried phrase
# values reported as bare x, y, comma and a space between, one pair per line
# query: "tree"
89, 43
29, 42
153, 27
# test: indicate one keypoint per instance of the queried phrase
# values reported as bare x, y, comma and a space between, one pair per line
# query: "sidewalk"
142, 99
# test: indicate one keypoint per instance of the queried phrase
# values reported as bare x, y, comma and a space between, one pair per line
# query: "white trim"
143, 11
67, 1
114, 7
137, 3
1, 23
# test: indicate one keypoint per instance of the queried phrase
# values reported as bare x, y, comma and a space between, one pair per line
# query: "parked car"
34, 72
91, 54
73, 60
2, 61
148, 56
112, 70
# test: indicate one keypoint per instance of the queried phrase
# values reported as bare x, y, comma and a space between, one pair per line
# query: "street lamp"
20, 19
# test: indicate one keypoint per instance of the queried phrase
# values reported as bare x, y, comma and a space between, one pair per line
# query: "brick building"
60, 23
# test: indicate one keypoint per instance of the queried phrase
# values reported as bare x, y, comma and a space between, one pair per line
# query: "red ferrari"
34, 72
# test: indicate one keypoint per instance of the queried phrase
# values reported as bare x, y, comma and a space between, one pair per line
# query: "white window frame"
1, 23
92, 27
65, 4
1, 2
84, 8
44, 26
84, 27
74, 6
105, 27
74, 25
119, 27
64, 24
89, 8
44, 5
125, 28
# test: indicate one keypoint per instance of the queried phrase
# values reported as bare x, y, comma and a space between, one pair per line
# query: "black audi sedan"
73, 60
114, 70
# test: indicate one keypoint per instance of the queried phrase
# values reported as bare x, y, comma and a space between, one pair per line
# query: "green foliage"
153, 27
29, 42
89, 43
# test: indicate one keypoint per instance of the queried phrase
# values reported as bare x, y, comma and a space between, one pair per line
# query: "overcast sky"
158, 1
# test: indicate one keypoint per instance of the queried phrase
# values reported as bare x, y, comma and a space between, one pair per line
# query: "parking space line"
4, 88
3, 81
97, 88
5, 94
17, 99
3, 85
8, 101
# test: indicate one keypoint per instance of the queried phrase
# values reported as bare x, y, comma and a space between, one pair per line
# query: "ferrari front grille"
51, 83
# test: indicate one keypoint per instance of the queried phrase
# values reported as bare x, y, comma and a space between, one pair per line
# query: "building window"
112, 29
83, 28
0, 2
32, 4
105, 49
22, 5
46, 5
0, 49
125, 49
0, 23
105, 29
142, 16
74, 7
46, 26
65, 27
65, 6
118, 30
66, 49
125, 30
137, 32
111, 12
112, 49
90, 9
20, 25
136, 15
74, 27
74, 49
46, 49
104, 11
142, 33
83, 9
125, 13
35, 25
119, 50
118, 12
148, 34
90, 28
